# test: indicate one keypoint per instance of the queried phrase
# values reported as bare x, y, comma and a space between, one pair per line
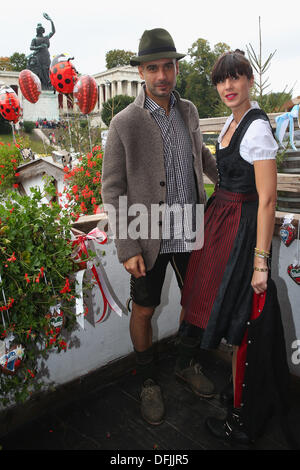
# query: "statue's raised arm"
47, 17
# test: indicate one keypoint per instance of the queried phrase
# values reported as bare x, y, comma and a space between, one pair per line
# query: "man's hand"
135, 266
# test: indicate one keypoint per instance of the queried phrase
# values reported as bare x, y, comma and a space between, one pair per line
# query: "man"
154, 155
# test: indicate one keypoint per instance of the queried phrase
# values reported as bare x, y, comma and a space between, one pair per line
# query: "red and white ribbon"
108, 296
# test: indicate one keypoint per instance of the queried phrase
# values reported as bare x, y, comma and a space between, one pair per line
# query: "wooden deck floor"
108, 418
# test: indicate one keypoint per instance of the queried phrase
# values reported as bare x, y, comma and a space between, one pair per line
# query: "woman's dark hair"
231, 64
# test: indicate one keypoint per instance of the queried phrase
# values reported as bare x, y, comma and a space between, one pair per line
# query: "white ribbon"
79, 298
282, 123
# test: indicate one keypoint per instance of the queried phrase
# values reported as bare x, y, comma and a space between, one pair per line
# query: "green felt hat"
155, 44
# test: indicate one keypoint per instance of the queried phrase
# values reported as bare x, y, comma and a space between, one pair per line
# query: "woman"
233, 264
39, 61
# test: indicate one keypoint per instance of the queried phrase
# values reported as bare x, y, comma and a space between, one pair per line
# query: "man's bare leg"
141, 327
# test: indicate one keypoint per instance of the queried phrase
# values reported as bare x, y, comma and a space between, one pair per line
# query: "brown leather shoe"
152, 404
196, 380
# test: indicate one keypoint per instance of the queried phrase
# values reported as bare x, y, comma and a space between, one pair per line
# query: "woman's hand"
259, 281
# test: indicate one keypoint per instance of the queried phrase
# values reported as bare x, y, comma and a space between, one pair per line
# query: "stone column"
119, 88
107, 91
65, 103
129, 88
101, 95
139, 87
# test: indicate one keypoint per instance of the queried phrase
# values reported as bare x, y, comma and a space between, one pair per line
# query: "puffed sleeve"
258, 142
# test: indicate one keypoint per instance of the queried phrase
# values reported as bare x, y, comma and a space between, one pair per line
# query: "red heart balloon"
30, 85
294, 273
86, 93
9, 104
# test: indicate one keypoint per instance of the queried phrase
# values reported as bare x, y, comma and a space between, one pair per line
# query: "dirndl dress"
217, 295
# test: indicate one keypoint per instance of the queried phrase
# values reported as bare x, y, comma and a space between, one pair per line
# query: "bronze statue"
39, 61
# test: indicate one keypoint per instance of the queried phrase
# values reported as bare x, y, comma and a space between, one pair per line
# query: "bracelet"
261, 256
261, 253
263, 270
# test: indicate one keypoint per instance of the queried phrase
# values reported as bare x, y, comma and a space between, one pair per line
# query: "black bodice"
235, 173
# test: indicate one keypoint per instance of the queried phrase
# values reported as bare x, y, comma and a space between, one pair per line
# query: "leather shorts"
146, 290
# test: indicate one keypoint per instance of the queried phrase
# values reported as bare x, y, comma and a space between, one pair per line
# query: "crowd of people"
54, 124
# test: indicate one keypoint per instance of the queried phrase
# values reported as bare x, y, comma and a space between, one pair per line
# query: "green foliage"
18, 61
117, 57
194, 82
28, 126
113, 106
5, 126
273, 102
10, 158
35, 268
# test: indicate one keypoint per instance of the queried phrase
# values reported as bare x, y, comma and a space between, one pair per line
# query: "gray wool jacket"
133, 166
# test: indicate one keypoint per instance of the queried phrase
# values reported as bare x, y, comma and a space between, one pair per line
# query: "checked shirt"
180, 180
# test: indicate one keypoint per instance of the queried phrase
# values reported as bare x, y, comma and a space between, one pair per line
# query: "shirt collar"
152, 106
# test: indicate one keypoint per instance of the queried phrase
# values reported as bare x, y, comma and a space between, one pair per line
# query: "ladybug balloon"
9, 104
86, 94
63, 74
30, 85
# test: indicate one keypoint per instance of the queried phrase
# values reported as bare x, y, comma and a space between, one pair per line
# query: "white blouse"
258, 142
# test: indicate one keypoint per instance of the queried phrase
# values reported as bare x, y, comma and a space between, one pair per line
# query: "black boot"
227, 394
229, 429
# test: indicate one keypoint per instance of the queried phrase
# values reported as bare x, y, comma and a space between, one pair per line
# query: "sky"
87, 29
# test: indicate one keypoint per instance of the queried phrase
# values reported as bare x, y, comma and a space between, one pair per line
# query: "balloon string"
298, 251
69, 128
13, 132
88, 120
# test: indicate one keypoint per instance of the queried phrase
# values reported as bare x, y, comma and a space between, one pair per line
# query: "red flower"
9, 305
66, 287
12, 258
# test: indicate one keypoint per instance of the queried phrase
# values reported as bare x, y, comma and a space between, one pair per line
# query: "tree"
5, 64
18, 61
269, 102
113, 106
194, 82
117, 57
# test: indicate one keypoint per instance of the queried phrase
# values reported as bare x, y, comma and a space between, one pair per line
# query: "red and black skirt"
217, 294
